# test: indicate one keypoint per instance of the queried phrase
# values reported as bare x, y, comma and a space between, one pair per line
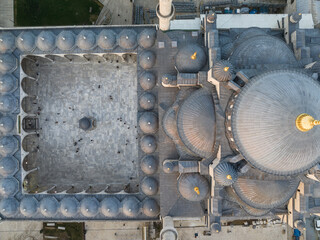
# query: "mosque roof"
66, 40
8, 145
222, 70
28, 206
8, 186
149, 186
191, 58
9, 206
46, 41
107, 39
6, 124
49, 206
110, 206
25, 41
8, 166
149, 164
148, 122
193, 186
147, 59
7, 42
130, 206
148, 144
264, 122
89, 206
147, 38
225, 174
8, 63
147, 80
69, 206
127, 39
8, 83
86, 40
147, 101
8, 103
150, 207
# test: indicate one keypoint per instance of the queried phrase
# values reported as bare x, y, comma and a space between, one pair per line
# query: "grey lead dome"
6, 124
131, 207
46, 41
8, 145
149, 186
193, 186
110, 207
69, 206
150, 207
225, 174
28, 206
149, 164
147, 38
147, 80
8, 166
8, 186
8, 83
9, 207
89, 206
7, 41
49, 206
26, 41
8, 103
66, 40
148, 144
147, 101
148, 122
107, 39
147, 59
127, 39
86, 40
184, 61
8, 63
263, 122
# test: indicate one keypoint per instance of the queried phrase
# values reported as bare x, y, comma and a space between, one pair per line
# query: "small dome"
8, 186
128, 39
26, 41
7, 41
28, 206
69, 206
148, 144
147, 80
110, 207
168, 167
85, 123
107, 39
8, 103
225, 174
46, 41
215, 227
191, 58
8, 166
66, 40
9, 207
6, 124
8, 63
89, 206
131, 207
148, 122
86, 40
149, 165
147, 38
149, 186
49, 206
7, 83
147, 101
150, 207
193, 186
147, 59
196, 123
300, 225
8, 145
222, 71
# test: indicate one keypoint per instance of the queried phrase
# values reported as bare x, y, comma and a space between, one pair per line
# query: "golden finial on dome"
194, 56
196, 189
305, 122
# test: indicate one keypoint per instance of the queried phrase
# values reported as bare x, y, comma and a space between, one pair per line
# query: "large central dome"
264, 117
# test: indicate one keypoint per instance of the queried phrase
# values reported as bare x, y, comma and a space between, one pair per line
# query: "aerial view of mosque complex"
142, 122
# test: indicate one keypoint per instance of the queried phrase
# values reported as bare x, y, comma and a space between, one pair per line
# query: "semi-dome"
225, 174
128, 39
245, 54
89, 206
26, 41
147, 38
265, 194
69, 206
248, 34
66, 40
28, 206
149, 186
263, 122
147, 80
149, 165
7, 41
8, 145
147, 59
49, 206
86, 40
130, 207
9, 206
8, 63
222, 71
147, 101
196, 123
150, 207
8, 83
193, 186
107, 39
8, 186
46, 41
148, 144
8, 166
8, 103
148, 122
191, 58
110, 207
6, 124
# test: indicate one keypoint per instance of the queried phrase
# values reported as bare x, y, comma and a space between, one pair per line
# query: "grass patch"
56, 12
73, 231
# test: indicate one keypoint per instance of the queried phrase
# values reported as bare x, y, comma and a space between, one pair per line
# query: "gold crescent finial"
226, 69
194, 56
305, 122
196, 189
229, 177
